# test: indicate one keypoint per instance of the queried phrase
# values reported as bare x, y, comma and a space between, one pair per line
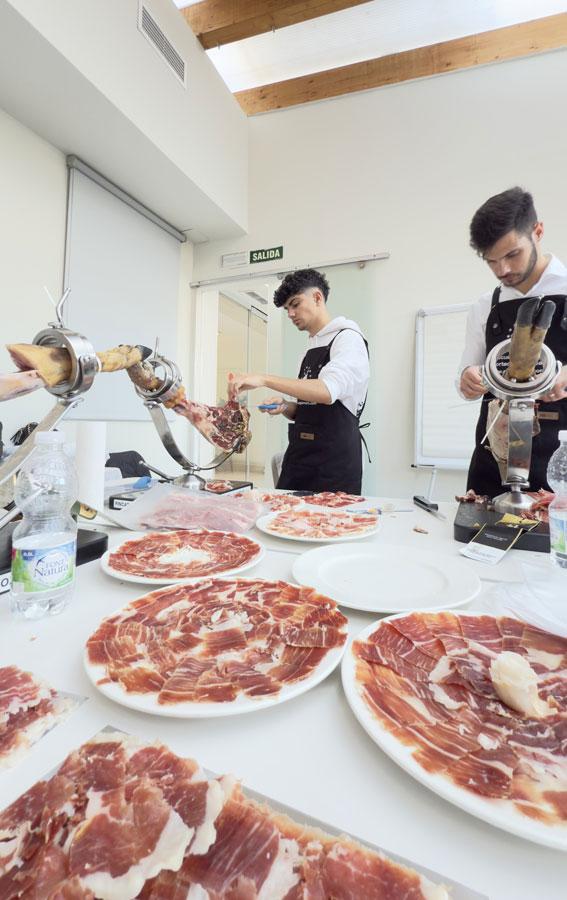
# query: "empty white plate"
386, 578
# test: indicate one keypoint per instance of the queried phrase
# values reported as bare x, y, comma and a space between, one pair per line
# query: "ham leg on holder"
41, 366
17, 384
222, 426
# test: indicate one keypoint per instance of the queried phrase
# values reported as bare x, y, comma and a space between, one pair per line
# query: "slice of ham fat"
515, 682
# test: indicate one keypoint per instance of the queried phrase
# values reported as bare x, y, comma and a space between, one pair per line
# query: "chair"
277, 459
130, 463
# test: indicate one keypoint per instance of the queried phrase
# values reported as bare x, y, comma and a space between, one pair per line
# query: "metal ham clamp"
161, 390
84, 366
519, 371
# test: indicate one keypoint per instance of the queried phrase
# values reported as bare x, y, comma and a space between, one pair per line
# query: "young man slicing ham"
325, 450
507, 234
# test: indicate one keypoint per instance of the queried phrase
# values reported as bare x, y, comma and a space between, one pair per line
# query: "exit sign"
258, 256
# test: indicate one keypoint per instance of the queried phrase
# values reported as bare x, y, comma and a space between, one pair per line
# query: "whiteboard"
444, 422
123, 272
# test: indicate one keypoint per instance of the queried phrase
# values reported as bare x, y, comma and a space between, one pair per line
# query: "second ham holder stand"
533, 319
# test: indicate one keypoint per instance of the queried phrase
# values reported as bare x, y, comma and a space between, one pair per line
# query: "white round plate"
242, 704
263, 523
499, 813
142, 579
384, 578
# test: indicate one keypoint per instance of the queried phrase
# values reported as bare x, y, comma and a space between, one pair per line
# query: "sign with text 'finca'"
269, 255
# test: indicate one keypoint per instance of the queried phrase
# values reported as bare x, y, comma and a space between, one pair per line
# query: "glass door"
241, 347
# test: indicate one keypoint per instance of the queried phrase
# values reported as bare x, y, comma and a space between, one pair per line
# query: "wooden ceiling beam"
513, 41
217, 22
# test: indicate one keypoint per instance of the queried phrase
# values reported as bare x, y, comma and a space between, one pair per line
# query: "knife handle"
426, 504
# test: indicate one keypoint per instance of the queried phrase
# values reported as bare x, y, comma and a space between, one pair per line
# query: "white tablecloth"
309, 752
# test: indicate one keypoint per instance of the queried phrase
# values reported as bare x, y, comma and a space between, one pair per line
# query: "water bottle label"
42, 570
557, 537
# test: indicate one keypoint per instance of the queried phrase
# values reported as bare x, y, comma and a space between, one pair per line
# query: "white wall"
33, 187
81, 74
403, 169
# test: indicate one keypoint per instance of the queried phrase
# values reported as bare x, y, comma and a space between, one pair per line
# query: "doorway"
242, 347
237, 329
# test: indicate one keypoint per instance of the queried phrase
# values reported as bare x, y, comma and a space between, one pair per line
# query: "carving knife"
429, 506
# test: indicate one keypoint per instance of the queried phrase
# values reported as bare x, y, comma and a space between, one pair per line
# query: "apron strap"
497, 327
362, 438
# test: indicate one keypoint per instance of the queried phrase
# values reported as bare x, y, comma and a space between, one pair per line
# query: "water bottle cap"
50, 437
563, 435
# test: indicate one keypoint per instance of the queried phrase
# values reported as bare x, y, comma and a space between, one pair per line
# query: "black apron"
484, 476
325, 447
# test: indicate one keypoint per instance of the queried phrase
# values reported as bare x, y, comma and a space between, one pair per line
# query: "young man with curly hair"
325, 449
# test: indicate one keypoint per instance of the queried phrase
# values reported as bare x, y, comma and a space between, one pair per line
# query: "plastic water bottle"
44, 543
557, 478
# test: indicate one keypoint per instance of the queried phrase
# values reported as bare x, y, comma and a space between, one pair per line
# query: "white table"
310, 752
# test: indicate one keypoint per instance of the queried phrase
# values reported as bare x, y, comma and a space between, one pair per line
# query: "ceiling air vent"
151, 30
256, 297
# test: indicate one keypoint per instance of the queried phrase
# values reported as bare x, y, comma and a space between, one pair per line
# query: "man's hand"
281, 406
559, 391
244, 382
471, 383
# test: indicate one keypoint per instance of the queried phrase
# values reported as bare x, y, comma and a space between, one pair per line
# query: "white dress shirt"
347, 373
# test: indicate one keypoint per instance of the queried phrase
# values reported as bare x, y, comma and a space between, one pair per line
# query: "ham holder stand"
84, 366
520, 395
154, 399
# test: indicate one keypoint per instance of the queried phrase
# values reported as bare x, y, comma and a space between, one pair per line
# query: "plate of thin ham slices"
168, 557
334, 499
318, 525
474, 707
216, 647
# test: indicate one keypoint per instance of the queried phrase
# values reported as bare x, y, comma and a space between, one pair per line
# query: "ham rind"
448, 713
212, 640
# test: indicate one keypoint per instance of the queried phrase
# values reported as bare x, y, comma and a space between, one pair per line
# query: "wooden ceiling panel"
217, 22
480, 49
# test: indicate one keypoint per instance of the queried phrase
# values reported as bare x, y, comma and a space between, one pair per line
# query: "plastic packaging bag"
540, 600
167, 506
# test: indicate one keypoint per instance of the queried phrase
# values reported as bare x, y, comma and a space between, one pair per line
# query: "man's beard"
529, 268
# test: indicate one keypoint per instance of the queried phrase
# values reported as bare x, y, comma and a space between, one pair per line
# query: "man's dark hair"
299, 282
512, 209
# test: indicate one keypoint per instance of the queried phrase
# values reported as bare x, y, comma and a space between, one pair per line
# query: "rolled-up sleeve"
348, 366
